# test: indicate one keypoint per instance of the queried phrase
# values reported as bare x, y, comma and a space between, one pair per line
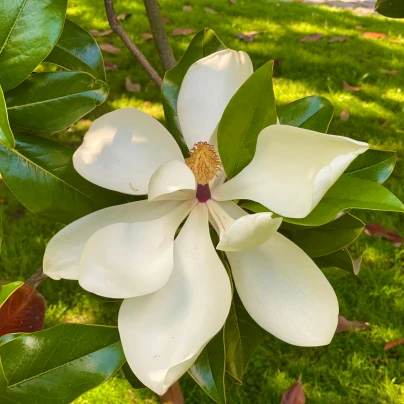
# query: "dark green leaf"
326, 239
29, 29
209, 369
40, 173
314, 113
347, 193
6, 135
373, 165
7, 290
338, 259
54, 101
57, 365
203, 44
242, 336
77, 50
249, 111
390, 8
131, 377
1, 231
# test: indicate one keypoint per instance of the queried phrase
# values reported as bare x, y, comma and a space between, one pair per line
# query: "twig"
117, 28
159, 34
37, 278
173, 395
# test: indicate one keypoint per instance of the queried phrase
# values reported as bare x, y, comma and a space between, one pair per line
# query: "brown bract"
294, 394
377, 230
348, 325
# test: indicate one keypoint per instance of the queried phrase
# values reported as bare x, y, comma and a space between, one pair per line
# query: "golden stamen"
204, 162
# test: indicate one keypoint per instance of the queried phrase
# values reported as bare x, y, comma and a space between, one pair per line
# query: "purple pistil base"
203, 192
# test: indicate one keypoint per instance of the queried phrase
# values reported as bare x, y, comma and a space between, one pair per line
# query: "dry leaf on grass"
348, 325
123, 16
133, 87
294, 394
96, 33
348, 87
339, 38
182, 31
374, 35
210, 10
344, 115
2, 201
311, 38
146, 35
247, 36
360, 27
109, 48
393, 344
233, 1
167, 20
377, 230
390, 72
110, 66
187, 8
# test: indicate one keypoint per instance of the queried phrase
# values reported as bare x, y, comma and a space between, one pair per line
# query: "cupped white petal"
283, 290
131, 259
206, 90
64, 250
173, 180
246, 232
122, 149
292, 169
164, 332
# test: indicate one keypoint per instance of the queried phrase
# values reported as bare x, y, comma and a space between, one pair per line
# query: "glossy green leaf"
314, 113
338, 259
57, 365
326, 239
347, 193
40, 173
203, 44
29, 29
251, 109
131, 377
7, 290
373, 165
390, 8
6, 135
209, 369
54, 101
76, 49
242, 337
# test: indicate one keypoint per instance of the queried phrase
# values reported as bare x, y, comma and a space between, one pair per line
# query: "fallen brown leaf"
247, 36
2, 201
146, 35
393, 344
233, 1
182, 31
348, 87
133, 87
360, 27
187, 8
348, 325
109, 48
377, 230
167, 20
96, 33
357, 265
390, 72
339, 38
210, 10
123, 16
110, 66
311, 38
294, 394
344, 115
374, 35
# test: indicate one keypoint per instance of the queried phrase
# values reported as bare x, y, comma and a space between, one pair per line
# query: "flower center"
203, 162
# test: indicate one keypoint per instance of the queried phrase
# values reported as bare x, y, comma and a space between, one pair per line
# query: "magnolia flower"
177, 293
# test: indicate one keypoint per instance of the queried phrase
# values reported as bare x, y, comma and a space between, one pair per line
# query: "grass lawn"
354, 368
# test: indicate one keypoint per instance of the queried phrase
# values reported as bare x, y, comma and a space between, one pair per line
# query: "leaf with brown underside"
311, 38
182, 31
390, 72
348, 87
96, 33
393, 344
110, 66
377, 230
344, 116
210, 10
294, 394
146, 35
23, 311
109, 48
133, 87
348, 325
187, 8
374, 35
173, 395
342, 38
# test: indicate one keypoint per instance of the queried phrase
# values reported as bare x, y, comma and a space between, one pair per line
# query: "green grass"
354, 368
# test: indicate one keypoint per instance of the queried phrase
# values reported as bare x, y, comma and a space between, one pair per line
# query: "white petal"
131, 259
292, 169
173, 180
206, 90
122, 149
164, 332
285, 293
247, 232
63, 252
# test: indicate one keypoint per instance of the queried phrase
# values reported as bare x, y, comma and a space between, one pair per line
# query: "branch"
37, 278
117, 28
159, 34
